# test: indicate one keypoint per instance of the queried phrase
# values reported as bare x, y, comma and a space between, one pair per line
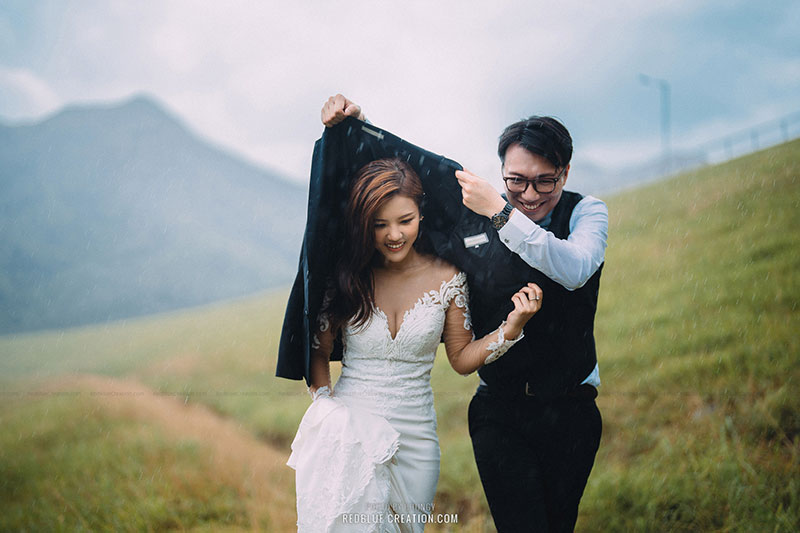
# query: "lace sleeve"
467, 354
456, 291
501, 345
323, 320
322, 340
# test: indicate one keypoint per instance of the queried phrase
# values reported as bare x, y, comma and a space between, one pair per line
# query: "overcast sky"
445, 75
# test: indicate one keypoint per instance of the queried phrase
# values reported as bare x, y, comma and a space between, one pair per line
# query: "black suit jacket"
338, 155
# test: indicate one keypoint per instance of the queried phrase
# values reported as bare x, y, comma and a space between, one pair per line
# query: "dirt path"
259, 470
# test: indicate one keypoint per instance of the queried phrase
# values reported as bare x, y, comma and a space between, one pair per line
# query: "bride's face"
396, 228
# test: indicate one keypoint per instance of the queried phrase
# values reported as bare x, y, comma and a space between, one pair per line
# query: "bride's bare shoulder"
440, 269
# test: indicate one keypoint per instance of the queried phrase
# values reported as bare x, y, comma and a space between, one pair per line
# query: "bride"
366, 453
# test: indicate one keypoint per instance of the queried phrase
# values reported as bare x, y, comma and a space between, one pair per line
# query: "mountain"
118, 211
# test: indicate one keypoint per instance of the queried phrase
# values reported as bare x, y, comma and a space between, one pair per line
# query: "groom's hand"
337, 108
479, 195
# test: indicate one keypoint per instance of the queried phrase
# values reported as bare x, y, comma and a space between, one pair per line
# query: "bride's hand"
527, 303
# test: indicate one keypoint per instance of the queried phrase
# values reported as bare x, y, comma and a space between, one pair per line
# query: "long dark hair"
374, 185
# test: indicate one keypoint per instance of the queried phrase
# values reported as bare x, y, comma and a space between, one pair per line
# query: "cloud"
24, 94
7, 34
446, 75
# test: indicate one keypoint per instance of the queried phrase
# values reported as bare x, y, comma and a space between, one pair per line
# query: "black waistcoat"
558, 350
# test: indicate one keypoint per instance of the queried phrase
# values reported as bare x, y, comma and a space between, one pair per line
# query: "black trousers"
534, 458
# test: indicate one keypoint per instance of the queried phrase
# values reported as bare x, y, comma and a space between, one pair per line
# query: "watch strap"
499, 220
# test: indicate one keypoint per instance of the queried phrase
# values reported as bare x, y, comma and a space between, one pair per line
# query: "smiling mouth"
396, 247
532, 207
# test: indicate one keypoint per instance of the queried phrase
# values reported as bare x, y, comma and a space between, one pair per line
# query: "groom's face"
520, 163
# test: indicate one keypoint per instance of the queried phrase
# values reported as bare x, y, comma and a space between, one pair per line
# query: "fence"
751, 139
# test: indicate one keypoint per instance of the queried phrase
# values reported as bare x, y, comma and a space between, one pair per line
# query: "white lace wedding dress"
367, 458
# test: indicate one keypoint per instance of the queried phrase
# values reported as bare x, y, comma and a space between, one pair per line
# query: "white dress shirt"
569, 262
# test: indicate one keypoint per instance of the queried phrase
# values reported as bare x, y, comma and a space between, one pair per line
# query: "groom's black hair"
544, 136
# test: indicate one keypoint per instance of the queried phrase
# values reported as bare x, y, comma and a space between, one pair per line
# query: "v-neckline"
408, 311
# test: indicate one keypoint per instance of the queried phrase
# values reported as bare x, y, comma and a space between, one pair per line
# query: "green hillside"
699, 352
698, 331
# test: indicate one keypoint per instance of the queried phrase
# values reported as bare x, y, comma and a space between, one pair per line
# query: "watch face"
499, 220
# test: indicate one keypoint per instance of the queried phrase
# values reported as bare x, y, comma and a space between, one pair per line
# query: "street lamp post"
664, 90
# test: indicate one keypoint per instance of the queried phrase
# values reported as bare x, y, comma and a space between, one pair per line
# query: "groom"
533, 421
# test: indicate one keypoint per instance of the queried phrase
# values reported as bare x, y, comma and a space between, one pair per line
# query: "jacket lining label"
377, 134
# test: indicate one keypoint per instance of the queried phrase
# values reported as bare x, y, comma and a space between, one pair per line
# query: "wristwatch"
499, 220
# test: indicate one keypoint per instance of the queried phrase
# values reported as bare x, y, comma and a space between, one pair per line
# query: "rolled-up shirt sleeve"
569, 262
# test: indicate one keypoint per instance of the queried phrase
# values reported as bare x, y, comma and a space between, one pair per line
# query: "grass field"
176, 421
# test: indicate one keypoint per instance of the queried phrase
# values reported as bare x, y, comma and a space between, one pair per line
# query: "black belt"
581, 392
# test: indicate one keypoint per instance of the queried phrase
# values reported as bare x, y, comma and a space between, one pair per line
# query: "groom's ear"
566, 173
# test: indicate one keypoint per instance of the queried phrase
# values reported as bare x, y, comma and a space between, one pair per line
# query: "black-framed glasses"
542, 184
